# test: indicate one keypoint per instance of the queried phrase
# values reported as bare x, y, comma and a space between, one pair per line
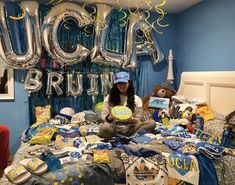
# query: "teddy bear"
161, 91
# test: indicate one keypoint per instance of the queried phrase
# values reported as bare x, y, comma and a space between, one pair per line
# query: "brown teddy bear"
159, 91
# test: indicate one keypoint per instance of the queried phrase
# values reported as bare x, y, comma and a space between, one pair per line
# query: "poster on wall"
6, 83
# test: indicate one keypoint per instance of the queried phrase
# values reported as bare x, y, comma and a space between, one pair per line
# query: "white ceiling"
176, 6
171, 6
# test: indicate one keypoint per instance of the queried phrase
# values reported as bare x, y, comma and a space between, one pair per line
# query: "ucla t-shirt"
183, 167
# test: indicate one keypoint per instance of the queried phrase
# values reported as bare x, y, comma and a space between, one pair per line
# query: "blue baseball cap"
122, 77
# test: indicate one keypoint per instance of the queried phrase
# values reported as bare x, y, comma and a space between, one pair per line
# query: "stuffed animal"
186, 118
161, 91
184, 115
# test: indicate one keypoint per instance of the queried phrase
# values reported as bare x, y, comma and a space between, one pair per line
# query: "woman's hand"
134, 120
110, 118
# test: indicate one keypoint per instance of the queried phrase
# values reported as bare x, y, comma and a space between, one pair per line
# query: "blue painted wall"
150, 74
15, 114
206, 37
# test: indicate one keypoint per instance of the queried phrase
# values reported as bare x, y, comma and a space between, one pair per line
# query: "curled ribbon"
139, 36
22, 15
122, 20
66, 23
161, 12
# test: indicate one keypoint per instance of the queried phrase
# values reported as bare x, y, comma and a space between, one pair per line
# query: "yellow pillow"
205, 112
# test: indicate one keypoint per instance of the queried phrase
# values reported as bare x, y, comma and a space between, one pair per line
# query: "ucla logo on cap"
122, 77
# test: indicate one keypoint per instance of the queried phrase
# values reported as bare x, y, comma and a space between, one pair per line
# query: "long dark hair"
114, 96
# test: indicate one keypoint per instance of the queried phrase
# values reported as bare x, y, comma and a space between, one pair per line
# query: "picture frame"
6, 83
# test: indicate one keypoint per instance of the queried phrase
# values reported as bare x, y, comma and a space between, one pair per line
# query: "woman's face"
122, 86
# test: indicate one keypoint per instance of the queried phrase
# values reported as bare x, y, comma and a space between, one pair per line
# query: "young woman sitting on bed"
123, 93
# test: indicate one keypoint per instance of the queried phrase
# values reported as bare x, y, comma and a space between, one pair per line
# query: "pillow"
215, 126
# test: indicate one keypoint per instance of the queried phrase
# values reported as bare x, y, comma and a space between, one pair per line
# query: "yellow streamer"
22, 15
122, 20
49, 2
87, 33
148, 4
161, 12
139, 36
152, 26
66, 23
160, 5
57, 2
92, 14
104, 25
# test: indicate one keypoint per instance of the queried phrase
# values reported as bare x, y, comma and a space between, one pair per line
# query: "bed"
217, 88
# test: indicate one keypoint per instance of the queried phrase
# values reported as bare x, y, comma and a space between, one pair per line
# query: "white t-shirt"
107, 108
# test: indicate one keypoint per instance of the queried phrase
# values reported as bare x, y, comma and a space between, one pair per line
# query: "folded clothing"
142, 138
51, 160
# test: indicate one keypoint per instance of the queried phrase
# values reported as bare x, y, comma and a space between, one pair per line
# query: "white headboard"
217, 88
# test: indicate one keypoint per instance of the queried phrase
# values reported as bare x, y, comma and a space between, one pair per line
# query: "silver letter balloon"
54, 80
74, 84
33, 37
50, 29
32, 81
